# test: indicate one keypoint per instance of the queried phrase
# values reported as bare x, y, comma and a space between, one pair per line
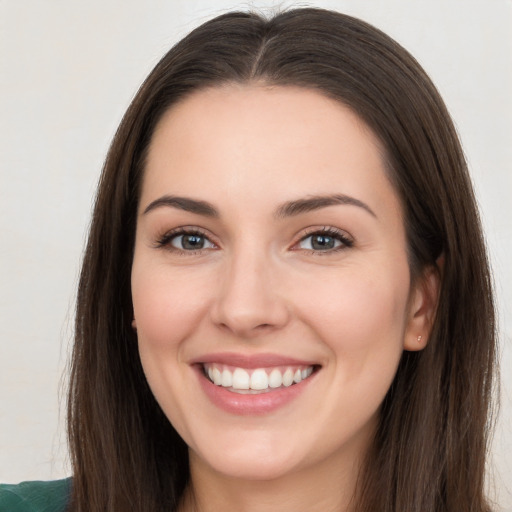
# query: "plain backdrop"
68, 70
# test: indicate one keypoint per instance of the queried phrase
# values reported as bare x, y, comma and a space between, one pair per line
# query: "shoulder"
50, 496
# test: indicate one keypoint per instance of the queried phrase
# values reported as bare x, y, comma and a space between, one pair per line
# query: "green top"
35, 496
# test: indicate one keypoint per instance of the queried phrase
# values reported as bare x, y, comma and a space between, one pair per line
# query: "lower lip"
251, 404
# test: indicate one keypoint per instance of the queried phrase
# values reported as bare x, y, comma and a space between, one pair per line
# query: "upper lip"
251, 360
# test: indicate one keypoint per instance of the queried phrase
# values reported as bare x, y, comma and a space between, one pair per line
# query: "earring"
419, 339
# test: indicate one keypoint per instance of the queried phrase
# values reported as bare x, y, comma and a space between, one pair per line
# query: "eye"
191, 242
185, 241
325, 240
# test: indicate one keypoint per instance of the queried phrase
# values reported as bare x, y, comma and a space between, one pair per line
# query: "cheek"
167, 306
362, 320
362, 324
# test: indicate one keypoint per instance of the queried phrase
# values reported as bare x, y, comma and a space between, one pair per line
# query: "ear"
422, 307
134, 325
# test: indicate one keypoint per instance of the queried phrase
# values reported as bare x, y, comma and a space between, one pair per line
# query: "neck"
325, 487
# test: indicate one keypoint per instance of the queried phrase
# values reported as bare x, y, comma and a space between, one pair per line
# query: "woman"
285, 300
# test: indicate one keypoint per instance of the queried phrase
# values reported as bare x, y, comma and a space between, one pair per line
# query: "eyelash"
164, 242
328, 231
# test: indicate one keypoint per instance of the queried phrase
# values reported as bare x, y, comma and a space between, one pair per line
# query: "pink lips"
250, 404
251, 361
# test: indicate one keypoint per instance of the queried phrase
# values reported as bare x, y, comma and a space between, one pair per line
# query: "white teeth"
241, 379
288, 377
275, 379
259, 379
217, 378
227, 379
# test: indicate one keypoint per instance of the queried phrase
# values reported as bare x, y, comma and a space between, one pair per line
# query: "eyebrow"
309, 204
288, 209
184, 203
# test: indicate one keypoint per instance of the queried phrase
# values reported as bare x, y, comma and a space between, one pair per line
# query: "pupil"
192, 242
322, 242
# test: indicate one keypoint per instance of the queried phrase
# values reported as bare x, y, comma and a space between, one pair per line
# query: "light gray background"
68, 72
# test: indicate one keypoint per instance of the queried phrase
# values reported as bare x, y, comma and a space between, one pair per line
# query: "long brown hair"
430, 447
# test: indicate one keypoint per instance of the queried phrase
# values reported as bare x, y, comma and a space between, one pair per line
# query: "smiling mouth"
257, 380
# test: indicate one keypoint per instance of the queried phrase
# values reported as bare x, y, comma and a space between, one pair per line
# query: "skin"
259, 286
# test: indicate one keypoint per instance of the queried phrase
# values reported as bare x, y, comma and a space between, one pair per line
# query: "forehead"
264, 142
269, 110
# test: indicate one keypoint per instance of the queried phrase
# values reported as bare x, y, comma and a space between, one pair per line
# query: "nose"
249, 303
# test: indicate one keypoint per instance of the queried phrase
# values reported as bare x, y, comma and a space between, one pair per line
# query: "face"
271, 289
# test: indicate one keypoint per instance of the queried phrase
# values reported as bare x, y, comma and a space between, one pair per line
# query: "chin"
249, 461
